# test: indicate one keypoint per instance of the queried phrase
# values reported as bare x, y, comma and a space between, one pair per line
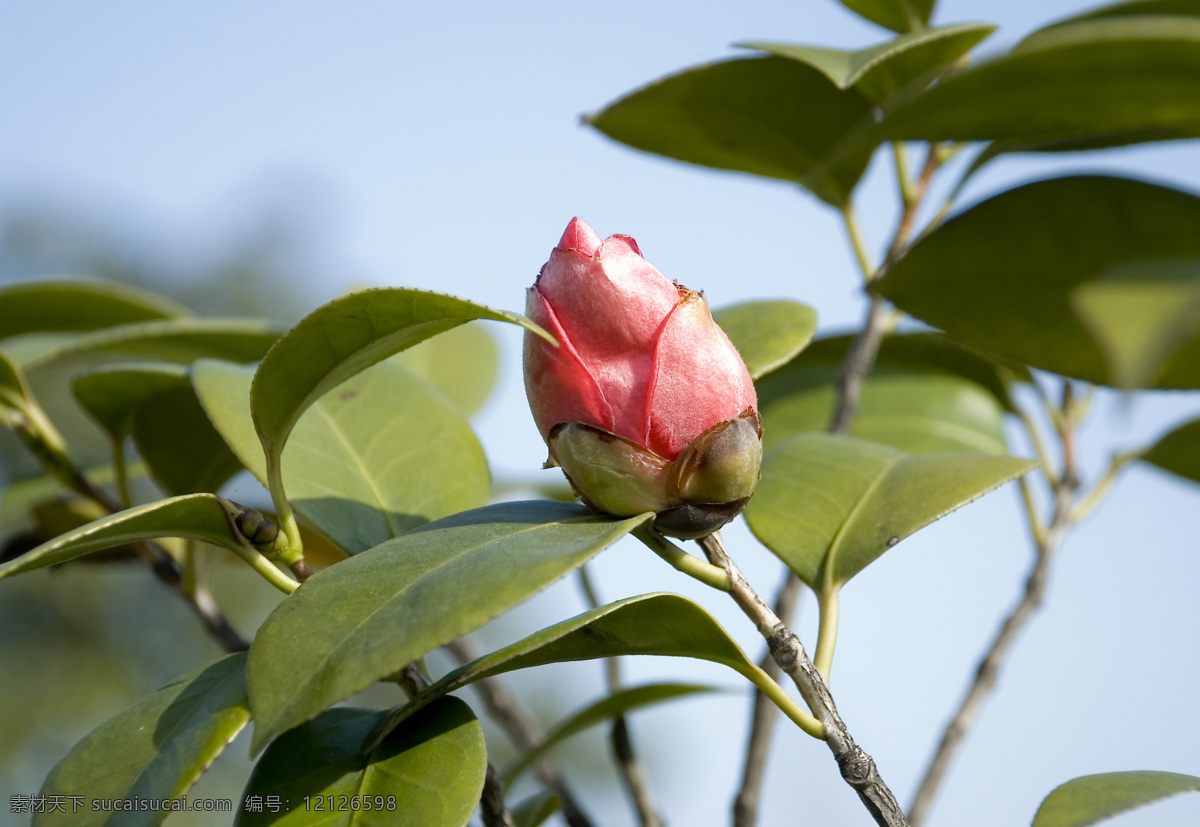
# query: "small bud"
646, 404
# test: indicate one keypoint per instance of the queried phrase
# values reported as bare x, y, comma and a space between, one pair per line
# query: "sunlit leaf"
77, 304
829, 506
427, 773
196, 517
1002, 276
1178, 451
1115, 80
605, 709
925, 394
382, 455
767, 333
461, 362
369, 616
880, 71
153, 751
1093, 798
766, 116
172, 340
342, 338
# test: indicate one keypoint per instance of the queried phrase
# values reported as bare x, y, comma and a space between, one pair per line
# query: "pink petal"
579, 236
558, 383
699, 379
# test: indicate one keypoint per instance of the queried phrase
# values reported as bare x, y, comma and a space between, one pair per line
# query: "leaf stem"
679, 559
900, 157
857, 241
294, 553
827, 604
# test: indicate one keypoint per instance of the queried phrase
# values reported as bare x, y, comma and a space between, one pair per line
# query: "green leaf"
1117, 80
427, 773
196, 516
925, 394
14, 392
76, 304
881, 70
897, 15
829, 506
180, 446
367, 617
461, 362
535, 809
766, 116
1140, 315
385, 454
1003, 275
342, 338
175, 340
1093, 798
605, 709
155, 750
650, 624
767, 333
1178, 451
110, 395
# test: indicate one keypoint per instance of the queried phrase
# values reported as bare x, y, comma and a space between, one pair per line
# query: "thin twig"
763, 717
622, 745
492, 808
509, 715
1046, 543
856, 766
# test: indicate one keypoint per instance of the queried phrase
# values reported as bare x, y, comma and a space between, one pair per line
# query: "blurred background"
260, 159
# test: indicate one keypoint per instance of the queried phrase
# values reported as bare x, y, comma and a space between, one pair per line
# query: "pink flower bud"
645, 404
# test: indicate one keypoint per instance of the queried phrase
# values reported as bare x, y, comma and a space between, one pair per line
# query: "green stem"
1036, 527
294, 553
907, 193
854, 231
269, 571
781, 699
827, 603
679, 559
121, 469
1100, 489
1039, 445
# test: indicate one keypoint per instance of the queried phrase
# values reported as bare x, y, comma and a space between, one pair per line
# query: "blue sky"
438, 146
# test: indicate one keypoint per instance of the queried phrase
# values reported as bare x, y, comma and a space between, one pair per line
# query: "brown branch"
492, 808
856, 766
509, 715
1046, 544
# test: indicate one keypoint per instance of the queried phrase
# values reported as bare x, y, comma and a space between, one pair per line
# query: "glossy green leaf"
427, 773
829, 506
925, 394
1136, 8
197, 517
179, 445
1178, 451
77, 304
462, 363
153, 751
383, 455
367, 617
897, 15
605, 709
766, 116
534, 810
880, 71
1003, 275
767, 333
174, 340
1111, 80
342, 338
650, 624
1093, 798
112, 394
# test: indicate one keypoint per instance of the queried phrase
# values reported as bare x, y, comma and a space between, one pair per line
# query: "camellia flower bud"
646, 404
